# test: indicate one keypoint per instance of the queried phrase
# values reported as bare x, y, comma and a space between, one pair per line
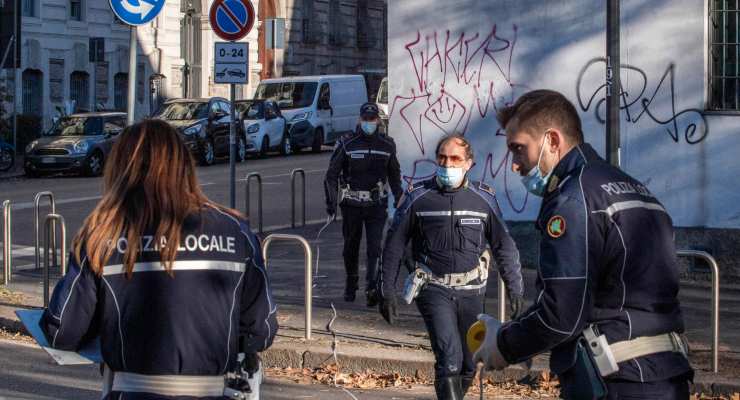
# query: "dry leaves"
701, 396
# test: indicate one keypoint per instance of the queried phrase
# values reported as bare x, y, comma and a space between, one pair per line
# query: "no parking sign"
231, 19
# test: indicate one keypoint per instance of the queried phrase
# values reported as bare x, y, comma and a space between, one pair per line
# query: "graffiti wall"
453, 64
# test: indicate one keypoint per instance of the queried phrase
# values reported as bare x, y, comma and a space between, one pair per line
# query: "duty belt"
608, 356
170, 385
458, 281
361, 195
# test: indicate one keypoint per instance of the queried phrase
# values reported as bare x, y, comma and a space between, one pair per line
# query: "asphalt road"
76, 196
27, 372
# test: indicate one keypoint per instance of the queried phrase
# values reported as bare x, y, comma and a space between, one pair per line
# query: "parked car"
318, 109
265, 126
76, 143
204, 124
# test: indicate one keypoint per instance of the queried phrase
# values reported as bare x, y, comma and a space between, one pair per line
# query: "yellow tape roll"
476, 335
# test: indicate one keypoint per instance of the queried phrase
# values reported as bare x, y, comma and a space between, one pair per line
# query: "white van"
319, 109
382, 98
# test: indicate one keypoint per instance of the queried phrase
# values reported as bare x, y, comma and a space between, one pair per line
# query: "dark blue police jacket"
361, 161
185, 324
607, 257
449, 230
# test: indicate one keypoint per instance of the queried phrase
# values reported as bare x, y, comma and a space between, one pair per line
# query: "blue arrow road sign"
136, 12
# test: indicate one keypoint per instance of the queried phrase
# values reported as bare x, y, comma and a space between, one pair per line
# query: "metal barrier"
257, 176
292, 195
50, 231
7, 243
715, 299
501, 299
308, 279
37, 221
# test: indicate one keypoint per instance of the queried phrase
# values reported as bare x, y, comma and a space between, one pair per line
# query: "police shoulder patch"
556, 226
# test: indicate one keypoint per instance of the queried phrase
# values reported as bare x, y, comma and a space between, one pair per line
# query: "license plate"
48, 160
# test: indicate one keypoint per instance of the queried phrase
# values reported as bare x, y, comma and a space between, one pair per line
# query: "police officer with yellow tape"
361, 166
450, 220
607, 305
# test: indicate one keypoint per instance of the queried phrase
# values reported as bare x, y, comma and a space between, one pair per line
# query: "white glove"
488, 353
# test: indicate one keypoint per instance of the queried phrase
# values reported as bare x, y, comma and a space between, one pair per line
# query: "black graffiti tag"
635, 107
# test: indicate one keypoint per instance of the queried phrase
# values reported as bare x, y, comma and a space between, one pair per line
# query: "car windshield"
76, 126
251, 110
383, 92
184, 111
288, 95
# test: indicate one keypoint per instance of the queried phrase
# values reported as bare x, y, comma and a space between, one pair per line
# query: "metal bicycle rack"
715, 299
7, 243
257, 176
501, 299
49, 229
292, 195
308, 279
37, 222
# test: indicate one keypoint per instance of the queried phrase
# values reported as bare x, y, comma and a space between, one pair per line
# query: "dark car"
76, 143
204, 124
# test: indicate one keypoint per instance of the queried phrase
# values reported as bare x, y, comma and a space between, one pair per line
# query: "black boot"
448, 388
372, 296
466, 382
371, 282
350, 289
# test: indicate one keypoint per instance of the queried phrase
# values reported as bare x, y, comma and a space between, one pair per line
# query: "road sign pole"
132, 76
232, 149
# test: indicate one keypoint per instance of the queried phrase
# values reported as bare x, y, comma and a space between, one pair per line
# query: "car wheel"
209, 153
265, 147
94, 164
318, 140
241, 149
285, 148
6, 159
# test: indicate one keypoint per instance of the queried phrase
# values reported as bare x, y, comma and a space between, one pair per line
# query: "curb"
287, 353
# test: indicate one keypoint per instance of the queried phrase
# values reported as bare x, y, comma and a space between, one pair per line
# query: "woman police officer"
173, 283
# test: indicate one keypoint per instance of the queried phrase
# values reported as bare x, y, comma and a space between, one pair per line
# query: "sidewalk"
366, 342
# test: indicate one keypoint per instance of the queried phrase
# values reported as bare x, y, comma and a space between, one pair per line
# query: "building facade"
317, 37
76, 50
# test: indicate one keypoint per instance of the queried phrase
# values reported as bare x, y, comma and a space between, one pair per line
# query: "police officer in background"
450, 220
172, 283
608, 277
361, 166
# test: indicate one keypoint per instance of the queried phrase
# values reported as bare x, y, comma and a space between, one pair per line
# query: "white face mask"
450, 177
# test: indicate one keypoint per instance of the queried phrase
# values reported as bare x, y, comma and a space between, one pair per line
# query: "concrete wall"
453, 63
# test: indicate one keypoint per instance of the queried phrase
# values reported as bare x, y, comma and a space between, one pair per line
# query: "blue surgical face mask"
368, 127
534, 181
450, 177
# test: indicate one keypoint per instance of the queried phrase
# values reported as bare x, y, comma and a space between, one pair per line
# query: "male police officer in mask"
362, 164
449, 220
607, 278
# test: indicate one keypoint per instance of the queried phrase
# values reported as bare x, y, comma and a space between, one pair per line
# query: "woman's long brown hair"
149, 185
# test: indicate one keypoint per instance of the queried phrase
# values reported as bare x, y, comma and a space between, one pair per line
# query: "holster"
585, 382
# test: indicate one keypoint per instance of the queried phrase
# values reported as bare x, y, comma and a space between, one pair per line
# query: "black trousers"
447, 315
353, 219
676, 388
